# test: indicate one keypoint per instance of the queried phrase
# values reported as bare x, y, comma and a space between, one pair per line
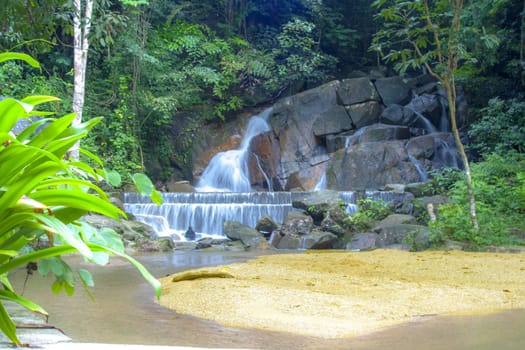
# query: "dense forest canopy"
160, 69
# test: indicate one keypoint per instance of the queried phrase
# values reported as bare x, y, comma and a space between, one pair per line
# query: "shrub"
43, 195
501, 127
499, 186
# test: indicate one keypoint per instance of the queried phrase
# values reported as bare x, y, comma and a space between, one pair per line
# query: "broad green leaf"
8, 56
145, 187
113, 178
86, 277
100, 258
7, 325
65, 234
143, 184
112, 239
76, 199
44, 267
57, 286
28, 304
9, 253
36, 100
52, 130
56, 266
10, 111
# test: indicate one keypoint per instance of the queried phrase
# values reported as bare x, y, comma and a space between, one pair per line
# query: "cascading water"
224, 194
228, 171
206, 212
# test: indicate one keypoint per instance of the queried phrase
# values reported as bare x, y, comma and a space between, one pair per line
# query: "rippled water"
124, 311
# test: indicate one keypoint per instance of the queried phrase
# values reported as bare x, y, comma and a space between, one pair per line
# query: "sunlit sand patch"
341, 294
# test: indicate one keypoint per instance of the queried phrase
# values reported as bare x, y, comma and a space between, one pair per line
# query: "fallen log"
198, 274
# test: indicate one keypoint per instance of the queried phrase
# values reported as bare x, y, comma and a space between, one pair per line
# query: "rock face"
249, 237
356, 133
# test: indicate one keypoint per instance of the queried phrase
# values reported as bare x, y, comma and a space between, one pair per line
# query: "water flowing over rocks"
292, 179
358, 133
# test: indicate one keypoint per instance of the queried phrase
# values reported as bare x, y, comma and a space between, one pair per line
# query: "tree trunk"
451, 98
81, 27
450, 87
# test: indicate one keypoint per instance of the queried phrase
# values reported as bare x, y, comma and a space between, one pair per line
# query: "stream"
124, 311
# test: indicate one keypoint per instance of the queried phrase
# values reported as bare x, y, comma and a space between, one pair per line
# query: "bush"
501, 127
499, 188
42, 197
369, 212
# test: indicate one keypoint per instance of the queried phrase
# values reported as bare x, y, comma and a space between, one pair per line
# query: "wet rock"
160, 244
179, 186
292, 120
336, 221
371, 165
395, 219
333, 121
316, 203
363, 242
364, 114
357, 90
396, 234
419, 189
135, 235
266, 225
250, 238
297, 223
393, 90
290, 241
263, 162
306, 179
318, 240
382, 132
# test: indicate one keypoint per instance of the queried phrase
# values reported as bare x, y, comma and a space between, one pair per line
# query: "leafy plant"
369, 211
501, 127
499, 185
42, 198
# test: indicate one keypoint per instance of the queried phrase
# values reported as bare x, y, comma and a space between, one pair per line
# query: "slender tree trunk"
81, 27
450, 87
451, 98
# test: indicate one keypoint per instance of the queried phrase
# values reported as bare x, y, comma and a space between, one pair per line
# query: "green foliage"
42, 197
501, 127
441, 181
298, 56
369, 211
499, 185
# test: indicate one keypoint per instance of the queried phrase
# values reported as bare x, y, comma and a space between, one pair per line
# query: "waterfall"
205, 212
228, 171
420, 170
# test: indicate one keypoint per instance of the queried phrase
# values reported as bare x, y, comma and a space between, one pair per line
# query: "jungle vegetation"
157, 70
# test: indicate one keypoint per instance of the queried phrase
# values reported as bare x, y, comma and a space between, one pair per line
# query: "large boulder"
308, 178
371, 165
292, 120
316, 203
314, 240
332, 121
366, 113
263, 162
393, 90
297, 223
357, 90
250, 238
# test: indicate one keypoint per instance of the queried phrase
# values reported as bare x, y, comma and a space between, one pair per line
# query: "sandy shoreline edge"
337, 294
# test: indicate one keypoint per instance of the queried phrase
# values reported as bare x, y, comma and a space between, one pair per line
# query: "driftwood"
197, 274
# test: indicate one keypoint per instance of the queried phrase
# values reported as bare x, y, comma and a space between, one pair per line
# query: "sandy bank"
338, 294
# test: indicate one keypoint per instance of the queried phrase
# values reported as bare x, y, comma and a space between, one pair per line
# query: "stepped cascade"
205, 212
355, 134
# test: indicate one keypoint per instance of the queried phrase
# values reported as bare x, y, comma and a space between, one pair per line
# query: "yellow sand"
339, 294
